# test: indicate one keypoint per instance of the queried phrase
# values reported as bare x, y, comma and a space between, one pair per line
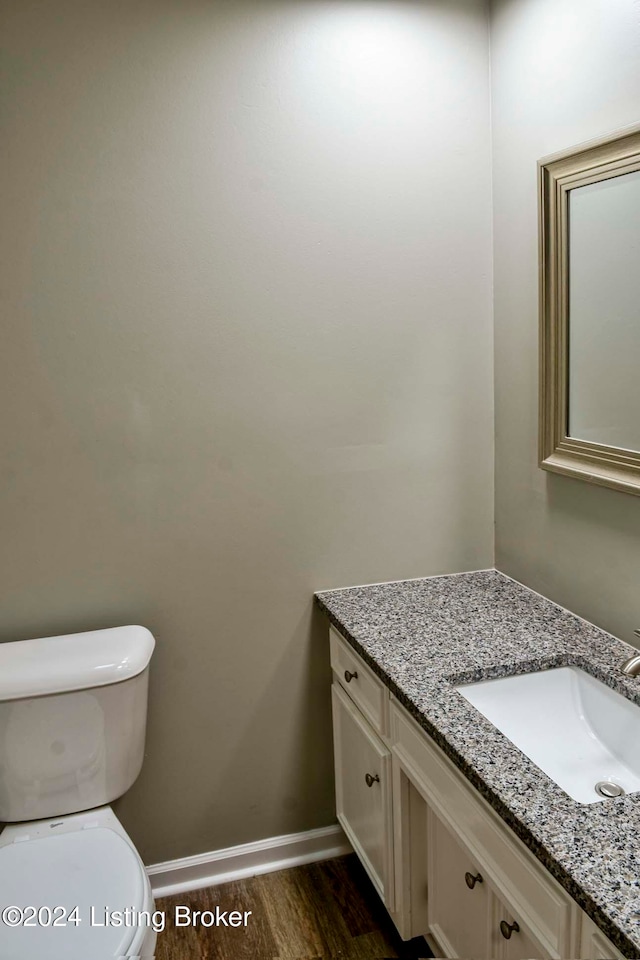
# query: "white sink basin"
576, 729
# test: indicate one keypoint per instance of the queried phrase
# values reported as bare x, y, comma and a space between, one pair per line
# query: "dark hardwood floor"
316, 912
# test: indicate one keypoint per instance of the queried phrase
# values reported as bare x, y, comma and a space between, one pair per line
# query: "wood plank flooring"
315, 912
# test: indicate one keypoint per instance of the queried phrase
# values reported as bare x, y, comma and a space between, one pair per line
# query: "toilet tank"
73, 714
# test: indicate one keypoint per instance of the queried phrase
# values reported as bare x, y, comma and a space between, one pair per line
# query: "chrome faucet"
632, 666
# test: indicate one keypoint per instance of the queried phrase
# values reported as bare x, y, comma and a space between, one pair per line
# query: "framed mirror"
589, 208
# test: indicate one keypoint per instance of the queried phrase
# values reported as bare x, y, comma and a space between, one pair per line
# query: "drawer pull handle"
506, 929
369, 780
470, 879
350, 676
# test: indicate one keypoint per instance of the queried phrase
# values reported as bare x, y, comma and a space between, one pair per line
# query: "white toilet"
73, 713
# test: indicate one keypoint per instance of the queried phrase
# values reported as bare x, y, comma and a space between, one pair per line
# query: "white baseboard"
246, 860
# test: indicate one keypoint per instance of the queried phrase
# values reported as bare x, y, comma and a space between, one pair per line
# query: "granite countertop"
421, 637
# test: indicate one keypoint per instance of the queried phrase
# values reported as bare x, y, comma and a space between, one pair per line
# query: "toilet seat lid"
92, 869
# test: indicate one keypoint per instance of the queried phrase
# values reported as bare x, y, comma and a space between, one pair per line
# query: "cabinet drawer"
362, 685
363, 791
524, 886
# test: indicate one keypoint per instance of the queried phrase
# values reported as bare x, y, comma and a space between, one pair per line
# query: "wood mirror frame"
601, 159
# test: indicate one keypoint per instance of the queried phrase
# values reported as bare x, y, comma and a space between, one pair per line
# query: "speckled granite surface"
424, 636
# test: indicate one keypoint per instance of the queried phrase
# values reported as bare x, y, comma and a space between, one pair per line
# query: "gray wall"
563, 71
246, 354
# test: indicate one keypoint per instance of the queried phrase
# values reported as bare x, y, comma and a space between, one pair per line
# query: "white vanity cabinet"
444, 863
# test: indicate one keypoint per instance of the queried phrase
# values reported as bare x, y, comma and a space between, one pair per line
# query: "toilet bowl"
72, 723
78, 888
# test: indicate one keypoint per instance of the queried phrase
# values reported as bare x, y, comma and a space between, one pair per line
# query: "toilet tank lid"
74, 661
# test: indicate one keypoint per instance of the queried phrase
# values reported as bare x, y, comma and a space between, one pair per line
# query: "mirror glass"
604, 312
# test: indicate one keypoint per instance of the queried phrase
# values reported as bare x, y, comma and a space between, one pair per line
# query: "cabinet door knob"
506, 929
369, 780
350, 676
470, 879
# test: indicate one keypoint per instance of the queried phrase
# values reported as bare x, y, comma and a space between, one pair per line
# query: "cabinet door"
593, 943
509, 939
363, 791
459, 899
